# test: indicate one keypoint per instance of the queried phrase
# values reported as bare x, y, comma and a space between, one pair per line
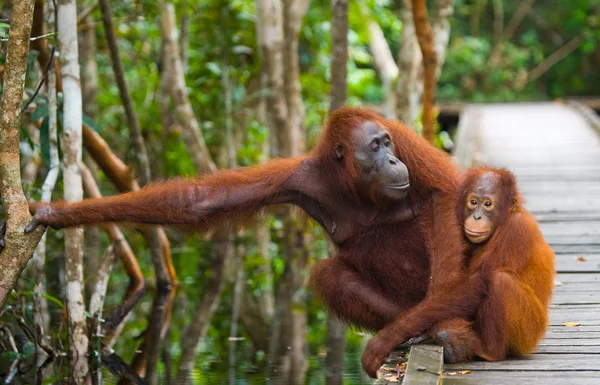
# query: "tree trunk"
71, 148
89, 88
222, 254
270, 35
132, 119
184, 114
16, 247
40, 305
95, 308
440, 24
385, 65
425, 38
339, 54
278, 26
192, 134
409, 87
335, 341
293, 14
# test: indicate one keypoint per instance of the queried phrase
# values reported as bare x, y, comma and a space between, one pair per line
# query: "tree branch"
554, 58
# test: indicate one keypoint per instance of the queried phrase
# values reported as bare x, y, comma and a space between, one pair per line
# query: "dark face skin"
382, 175
481, 211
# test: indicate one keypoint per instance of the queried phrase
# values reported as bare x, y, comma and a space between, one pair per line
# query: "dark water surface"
243, 374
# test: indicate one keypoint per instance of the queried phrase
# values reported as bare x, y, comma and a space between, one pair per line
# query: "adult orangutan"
385, 196
509, 256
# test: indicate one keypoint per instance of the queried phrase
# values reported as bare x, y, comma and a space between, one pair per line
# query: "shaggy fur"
517, 266
397, 261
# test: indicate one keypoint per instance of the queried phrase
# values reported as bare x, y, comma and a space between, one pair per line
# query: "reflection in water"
55, 373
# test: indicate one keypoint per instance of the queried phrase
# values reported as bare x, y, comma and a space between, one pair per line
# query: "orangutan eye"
375, 146
488, 203
387, 142
473, 202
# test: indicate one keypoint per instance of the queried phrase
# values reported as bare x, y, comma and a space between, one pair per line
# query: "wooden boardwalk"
555, 154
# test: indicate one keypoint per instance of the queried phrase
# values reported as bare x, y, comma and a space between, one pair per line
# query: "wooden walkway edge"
554, 151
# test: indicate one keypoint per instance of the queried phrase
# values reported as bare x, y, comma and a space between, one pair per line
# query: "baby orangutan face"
481, 210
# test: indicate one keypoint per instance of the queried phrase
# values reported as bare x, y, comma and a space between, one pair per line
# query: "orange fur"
395, 258
518, 266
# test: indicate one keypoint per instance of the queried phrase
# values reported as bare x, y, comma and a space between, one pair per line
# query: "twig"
11, 339
14, 369
36, 37
42, 81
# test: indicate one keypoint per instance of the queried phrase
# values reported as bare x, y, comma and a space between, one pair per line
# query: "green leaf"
88, 121
54, 300
28, 349
40, 112
45, 140
10, 355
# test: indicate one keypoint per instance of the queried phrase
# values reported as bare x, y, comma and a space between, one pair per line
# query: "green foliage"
469, 75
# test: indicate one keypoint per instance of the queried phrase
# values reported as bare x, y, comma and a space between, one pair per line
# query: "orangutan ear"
338, 151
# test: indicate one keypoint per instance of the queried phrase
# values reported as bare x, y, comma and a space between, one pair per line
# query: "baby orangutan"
515, 266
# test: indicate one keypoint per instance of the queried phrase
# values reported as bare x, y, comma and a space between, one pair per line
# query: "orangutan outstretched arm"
196, 203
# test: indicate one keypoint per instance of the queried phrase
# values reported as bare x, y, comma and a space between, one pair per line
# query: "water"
243, 374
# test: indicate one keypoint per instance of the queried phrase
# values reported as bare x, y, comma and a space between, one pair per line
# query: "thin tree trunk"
498, 9
136, 289
425, 38
270, 35
385, 65
440, 24
335, 340
278, 26
122, 177
30, 154
132, 119
73, 191
409, 87
89, 89
184, 113
339, 54
16, 247
257, 314
185, 34
223, 251
293, 14
40, 305
204, 163
96, 305
89, 68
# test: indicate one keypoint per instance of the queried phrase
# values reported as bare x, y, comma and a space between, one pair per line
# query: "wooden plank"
579, 280
568, 248
568, 349
551, 362
590, 265
573, 342
424, 365
498, 377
